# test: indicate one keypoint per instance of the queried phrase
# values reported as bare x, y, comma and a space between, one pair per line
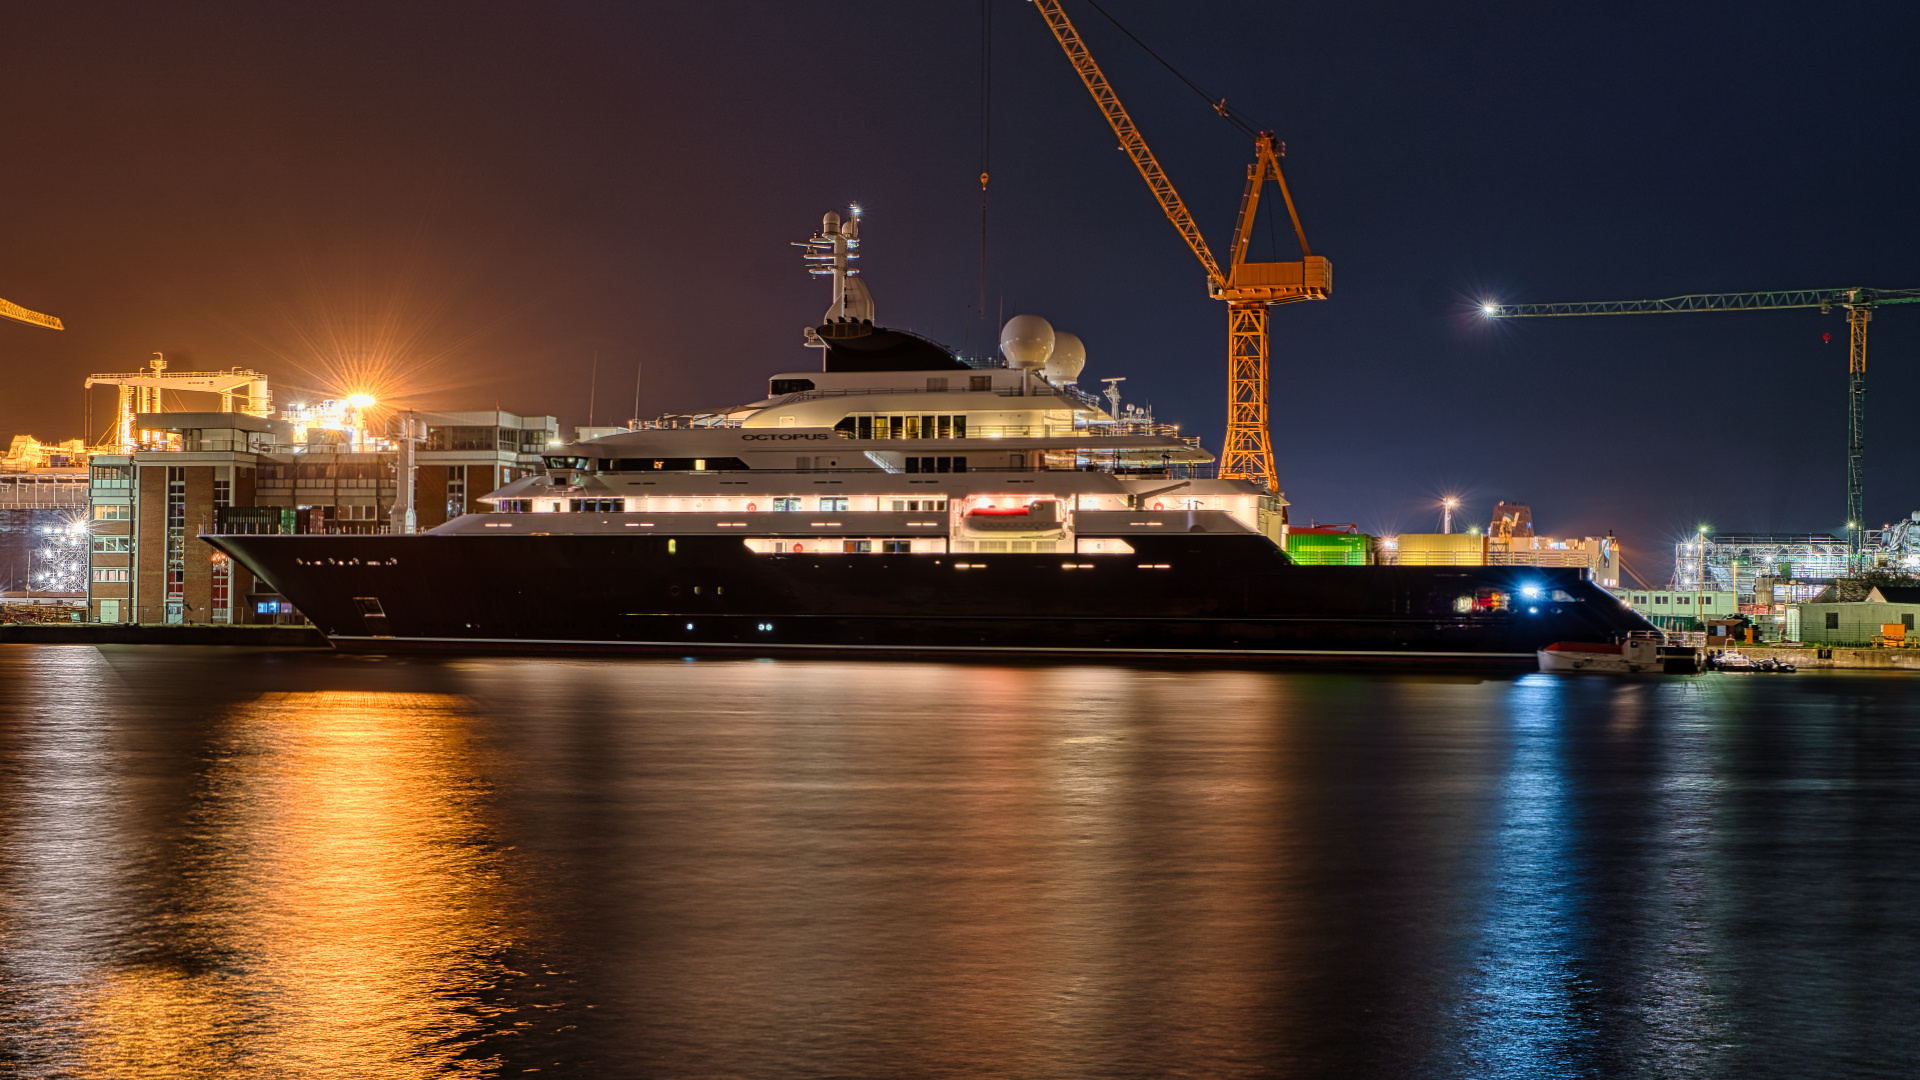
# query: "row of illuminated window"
517, 440
878, 426
371, 470
112, 512
934, 545
1685, 600
113, 544
625, 465
111, 574
788, 504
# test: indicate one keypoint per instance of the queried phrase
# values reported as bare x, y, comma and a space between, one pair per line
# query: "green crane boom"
1858, 303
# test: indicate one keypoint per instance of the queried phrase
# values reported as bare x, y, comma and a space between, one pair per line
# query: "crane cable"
986, 140
1219, 106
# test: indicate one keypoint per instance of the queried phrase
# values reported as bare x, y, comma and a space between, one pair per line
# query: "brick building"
232, 472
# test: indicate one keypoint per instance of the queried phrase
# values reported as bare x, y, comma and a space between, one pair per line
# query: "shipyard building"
234, 472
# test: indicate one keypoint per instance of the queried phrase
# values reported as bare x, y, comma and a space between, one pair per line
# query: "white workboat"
1631, 657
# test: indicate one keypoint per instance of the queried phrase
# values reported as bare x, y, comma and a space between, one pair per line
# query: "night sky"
465, 203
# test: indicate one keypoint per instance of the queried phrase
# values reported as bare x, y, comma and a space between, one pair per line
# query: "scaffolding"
1735, 563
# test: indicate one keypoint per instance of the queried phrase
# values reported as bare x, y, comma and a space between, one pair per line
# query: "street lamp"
1446, 514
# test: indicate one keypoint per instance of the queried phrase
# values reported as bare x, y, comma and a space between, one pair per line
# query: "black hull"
1214, 600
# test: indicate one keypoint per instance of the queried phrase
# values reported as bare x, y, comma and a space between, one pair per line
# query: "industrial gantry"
1857, 302
1249, 288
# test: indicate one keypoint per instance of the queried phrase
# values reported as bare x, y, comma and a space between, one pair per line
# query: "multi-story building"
230, 471
110, 572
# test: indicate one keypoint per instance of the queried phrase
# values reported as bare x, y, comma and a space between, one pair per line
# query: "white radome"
1068, 360
1027, 341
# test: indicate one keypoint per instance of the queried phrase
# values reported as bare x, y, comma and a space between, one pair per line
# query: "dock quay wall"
1808, 658
138, 634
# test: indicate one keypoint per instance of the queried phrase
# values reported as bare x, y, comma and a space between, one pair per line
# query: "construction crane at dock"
1857, 302
1248, 288
14, 311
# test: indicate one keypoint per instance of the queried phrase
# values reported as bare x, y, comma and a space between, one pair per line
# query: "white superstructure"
897, 444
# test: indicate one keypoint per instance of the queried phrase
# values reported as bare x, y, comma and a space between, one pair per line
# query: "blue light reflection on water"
1524, 1008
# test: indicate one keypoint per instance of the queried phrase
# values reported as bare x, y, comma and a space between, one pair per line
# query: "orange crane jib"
1248, 288
11, 310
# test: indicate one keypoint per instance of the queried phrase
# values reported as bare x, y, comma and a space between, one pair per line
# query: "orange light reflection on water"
339, 871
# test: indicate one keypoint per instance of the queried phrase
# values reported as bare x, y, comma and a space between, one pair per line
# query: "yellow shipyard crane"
14, 311
1249, 288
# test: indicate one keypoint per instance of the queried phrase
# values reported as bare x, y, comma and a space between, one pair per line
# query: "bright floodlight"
1490, 308
360, 401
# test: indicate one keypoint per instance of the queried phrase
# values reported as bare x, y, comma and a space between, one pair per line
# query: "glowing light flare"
362, 401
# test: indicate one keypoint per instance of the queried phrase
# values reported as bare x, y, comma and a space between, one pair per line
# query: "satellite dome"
1026, 341
1069, 357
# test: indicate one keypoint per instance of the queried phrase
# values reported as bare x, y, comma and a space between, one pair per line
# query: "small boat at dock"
1634, 656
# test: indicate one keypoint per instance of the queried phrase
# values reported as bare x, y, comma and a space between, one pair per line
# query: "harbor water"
260, 863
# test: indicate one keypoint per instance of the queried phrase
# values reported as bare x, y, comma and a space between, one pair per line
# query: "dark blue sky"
489, 194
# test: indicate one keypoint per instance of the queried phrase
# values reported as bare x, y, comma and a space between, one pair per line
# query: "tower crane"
1857, 302
14, 311
1249, 288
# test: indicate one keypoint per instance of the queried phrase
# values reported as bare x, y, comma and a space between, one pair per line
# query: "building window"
1683, 599
110, 575
1907, 621
1659, 600
113, 544
833, 504
112, 512
597, 506
978, 383
222, 585
1833, 620
176, 554
222, 493
786, 505
919, 506
113, 476
857, 547
456, 491
896, 547
472, 438
513, 506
